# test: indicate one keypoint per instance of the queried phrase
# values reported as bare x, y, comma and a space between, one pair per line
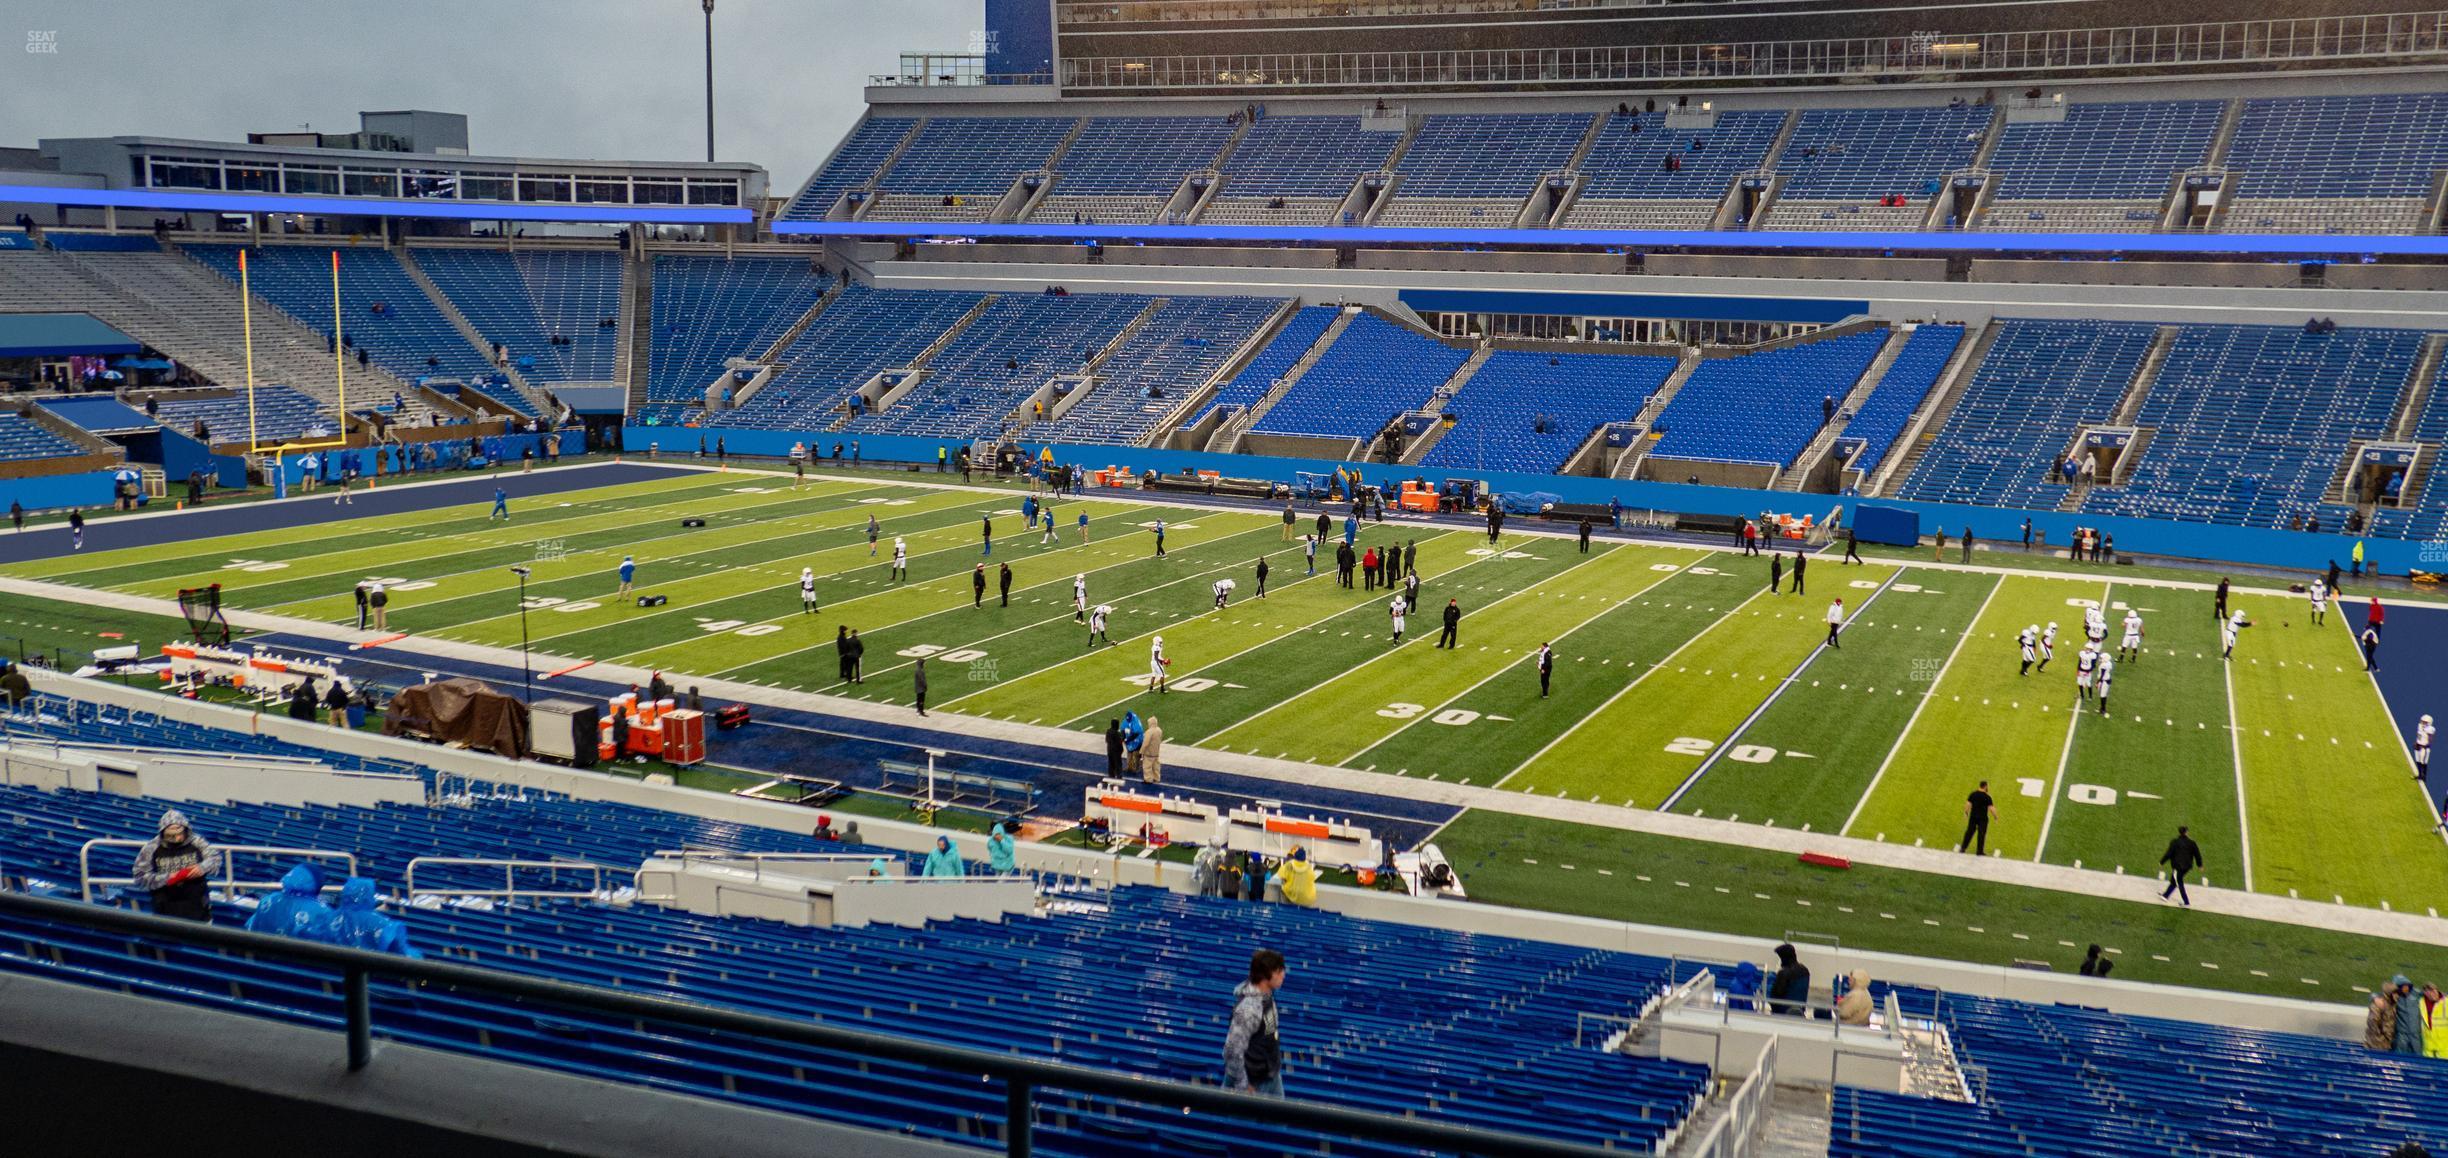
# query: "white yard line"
1561, 636
1791, 678
2235, 744
1915, 718
1621, 692
2065, 754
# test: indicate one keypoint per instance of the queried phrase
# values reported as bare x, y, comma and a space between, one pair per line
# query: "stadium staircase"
1228, 438
1196, 398
624, 355
2129, 407
2403, 428
1629, 465
1435, 431
771, 356
1387, 173
1806, 464
637, 326
1019, 421
919, 363
1923, 430
467, 329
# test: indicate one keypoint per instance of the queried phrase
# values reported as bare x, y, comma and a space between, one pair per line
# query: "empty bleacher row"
862, 332
1529, 411
1374, 371
1899, 394
2039, 383
22, 439
187, 313
707, 310
527, 299
2070, 1082
1183, 344
978, 383
1259, 375
2368, 163
1763, 407
1456, 1027
382, 310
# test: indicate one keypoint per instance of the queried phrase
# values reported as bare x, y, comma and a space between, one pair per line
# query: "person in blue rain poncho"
1001, 852
362, 925
879, 869
1134, 734
945, 861
298, 909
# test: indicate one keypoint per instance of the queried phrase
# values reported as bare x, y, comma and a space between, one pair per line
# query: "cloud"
595, 79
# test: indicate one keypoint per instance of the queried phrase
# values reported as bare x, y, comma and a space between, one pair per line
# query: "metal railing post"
360, 1020
1018, 1117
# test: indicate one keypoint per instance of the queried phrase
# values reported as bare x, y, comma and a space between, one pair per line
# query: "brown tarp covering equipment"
461, 711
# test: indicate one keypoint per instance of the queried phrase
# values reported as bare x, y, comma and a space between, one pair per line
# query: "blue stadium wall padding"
1894, 526
1994, 525
53, 492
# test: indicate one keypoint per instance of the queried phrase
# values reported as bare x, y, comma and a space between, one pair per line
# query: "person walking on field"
1852, 547
1157, 663
628, 575
1835, 620
900, 560
1262, 574
1776, 574
2182, 856
1253, 1048
977, 586
1799, 561
872, 531
986, 534
1288, 519
379, 602
1978, 808
2218, 605
1585, 533
1967, 544
1546, 667
1453, 621
1003, 584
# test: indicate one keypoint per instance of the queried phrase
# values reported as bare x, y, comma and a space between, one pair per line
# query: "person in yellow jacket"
2434, 1010
1298, 879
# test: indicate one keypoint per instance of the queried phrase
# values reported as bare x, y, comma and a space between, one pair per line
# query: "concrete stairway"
1229, 438
1629, 465
467, 329
1923, 429
1800, 470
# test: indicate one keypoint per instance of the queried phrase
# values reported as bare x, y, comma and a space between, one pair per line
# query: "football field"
1680, 680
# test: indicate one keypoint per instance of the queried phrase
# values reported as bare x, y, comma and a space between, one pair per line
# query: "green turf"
1663, 654
2055, 562
1101, 683
1625, 876
1986, 721
2163, 757
1336, 721
70, 632
1499, 723
1825, 737
2330, 799
1649, 740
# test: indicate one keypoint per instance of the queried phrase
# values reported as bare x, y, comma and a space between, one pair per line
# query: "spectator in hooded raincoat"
177, 867
362, 925
945, 861
1000, 852
298, 909
1298, 879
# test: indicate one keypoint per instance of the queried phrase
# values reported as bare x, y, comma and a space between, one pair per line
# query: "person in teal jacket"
1000, 852
945, 861
879, 869
2409, 1018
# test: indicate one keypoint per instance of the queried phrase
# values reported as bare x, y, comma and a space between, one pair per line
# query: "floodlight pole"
709, 45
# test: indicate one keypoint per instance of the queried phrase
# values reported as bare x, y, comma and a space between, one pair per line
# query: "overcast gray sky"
611, 79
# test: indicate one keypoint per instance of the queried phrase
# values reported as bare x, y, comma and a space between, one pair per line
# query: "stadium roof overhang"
2238, 244
60, 335
166, 199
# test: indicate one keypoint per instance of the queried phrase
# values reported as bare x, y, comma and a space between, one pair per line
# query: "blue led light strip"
2249, 244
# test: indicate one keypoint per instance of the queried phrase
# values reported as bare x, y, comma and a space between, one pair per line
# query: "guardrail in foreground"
1022, 1077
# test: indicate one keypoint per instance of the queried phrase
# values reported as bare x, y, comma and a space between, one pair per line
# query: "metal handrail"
509, 868
88, 882
1022, 1077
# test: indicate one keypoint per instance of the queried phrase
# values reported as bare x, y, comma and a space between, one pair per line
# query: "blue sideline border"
2247, 545
2267, 245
